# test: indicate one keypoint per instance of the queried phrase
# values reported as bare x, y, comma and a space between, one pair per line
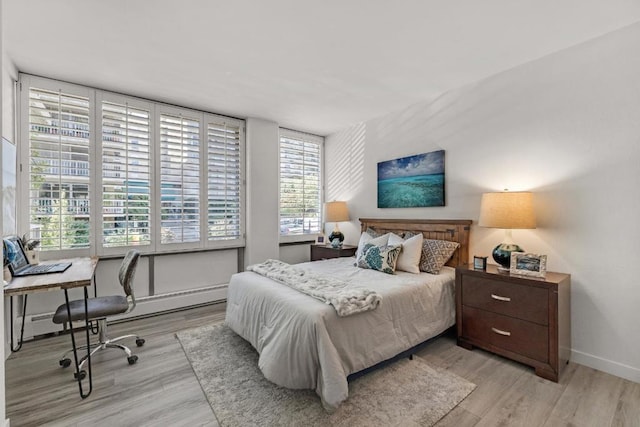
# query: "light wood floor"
161, 389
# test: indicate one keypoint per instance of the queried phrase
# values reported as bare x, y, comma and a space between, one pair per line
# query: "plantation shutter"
59, 171
126, 175
224, 180
104, 172
179, 179
300, 183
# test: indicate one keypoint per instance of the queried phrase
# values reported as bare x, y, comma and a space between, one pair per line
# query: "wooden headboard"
453, 230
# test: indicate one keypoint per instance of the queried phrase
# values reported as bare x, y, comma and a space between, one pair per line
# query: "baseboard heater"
42, 324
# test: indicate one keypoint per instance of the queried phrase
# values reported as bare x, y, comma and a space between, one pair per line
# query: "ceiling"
315, 66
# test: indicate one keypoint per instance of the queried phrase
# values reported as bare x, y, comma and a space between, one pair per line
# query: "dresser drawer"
525, 338
520, 301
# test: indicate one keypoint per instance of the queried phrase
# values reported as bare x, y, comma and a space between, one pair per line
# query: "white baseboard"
609, 366
41, 323
176, 300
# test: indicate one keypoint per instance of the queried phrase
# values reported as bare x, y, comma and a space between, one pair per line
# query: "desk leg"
24, 312
79, 376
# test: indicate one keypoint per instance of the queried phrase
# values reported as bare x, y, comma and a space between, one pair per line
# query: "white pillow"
367, 238
394, 239
409, 259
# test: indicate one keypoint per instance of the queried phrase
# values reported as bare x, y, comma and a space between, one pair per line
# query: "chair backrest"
127, 271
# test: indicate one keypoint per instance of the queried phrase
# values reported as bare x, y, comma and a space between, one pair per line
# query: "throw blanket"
345, 300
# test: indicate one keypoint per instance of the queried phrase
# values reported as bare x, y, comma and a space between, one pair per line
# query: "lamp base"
502, 255
336, 235
502, 269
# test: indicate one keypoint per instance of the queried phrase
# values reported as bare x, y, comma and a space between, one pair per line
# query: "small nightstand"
522, 318
319, 252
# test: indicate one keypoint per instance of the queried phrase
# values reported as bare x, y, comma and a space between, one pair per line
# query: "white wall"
294, 254
567, 127
7, 116
9, 77
262, 165
2, 392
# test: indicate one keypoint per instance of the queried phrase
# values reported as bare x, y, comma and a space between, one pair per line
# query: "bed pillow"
435, 254
368, 237
409, 259
374, 233
394, 239
380, 258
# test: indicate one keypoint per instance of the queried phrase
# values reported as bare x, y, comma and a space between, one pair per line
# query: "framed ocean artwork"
412, 182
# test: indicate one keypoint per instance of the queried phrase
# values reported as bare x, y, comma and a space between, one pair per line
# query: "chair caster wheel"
65, 363
139, 342
132, 359
82, 374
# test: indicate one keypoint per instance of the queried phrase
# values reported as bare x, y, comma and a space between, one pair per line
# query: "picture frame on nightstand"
320, 239
480, 263
527, 264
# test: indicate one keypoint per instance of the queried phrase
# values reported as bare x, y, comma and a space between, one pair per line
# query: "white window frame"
240, 241
24, 219
96, 97
316, 139
190, 115
136, 103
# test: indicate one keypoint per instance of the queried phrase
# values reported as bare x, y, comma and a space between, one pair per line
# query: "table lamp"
336, 212
507, 210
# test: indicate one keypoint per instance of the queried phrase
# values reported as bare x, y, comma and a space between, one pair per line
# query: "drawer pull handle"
501, 332
499, 298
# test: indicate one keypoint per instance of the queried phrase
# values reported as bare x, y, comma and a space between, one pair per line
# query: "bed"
302, 342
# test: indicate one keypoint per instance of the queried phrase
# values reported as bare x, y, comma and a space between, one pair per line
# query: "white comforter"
302, 342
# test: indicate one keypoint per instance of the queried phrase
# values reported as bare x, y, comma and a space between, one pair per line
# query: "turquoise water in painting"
411, 192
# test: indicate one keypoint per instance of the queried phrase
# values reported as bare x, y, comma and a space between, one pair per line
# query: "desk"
80, 274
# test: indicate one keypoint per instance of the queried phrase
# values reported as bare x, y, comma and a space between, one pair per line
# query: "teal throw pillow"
380, 258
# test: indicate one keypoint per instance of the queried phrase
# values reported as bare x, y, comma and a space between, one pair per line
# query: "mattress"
302, 342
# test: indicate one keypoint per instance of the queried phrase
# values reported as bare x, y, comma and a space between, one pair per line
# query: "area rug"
404, 393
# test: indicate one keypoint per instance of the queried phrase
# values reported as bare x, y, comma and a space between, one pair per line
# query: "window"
107, 172
59, 168
224, 180
126, 175
179, 179
300, 183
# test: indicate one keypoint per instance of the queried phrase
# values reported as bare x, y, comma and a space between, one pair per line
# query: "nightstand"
522, 318
319, 252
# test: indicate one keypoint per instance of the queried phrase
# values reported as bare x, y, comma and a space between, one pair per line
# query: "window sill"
54, 255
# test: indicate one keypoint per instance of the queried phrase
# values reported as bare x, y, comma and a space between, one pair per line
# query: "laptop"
20, 265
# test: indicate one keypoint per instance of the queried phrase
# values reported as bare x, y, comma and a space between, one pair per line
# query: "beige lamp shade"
507, 210
336, 212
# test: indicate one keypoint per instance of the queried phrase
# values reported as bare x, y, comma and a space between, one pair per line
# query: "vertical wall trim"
152, 285
240, 260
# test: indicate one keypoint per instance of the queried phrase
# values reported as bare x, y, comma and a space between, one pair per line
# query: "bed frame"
453, 230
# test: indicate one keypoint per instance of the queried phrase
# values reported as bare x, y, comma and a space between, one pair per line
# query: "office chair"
99, 309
